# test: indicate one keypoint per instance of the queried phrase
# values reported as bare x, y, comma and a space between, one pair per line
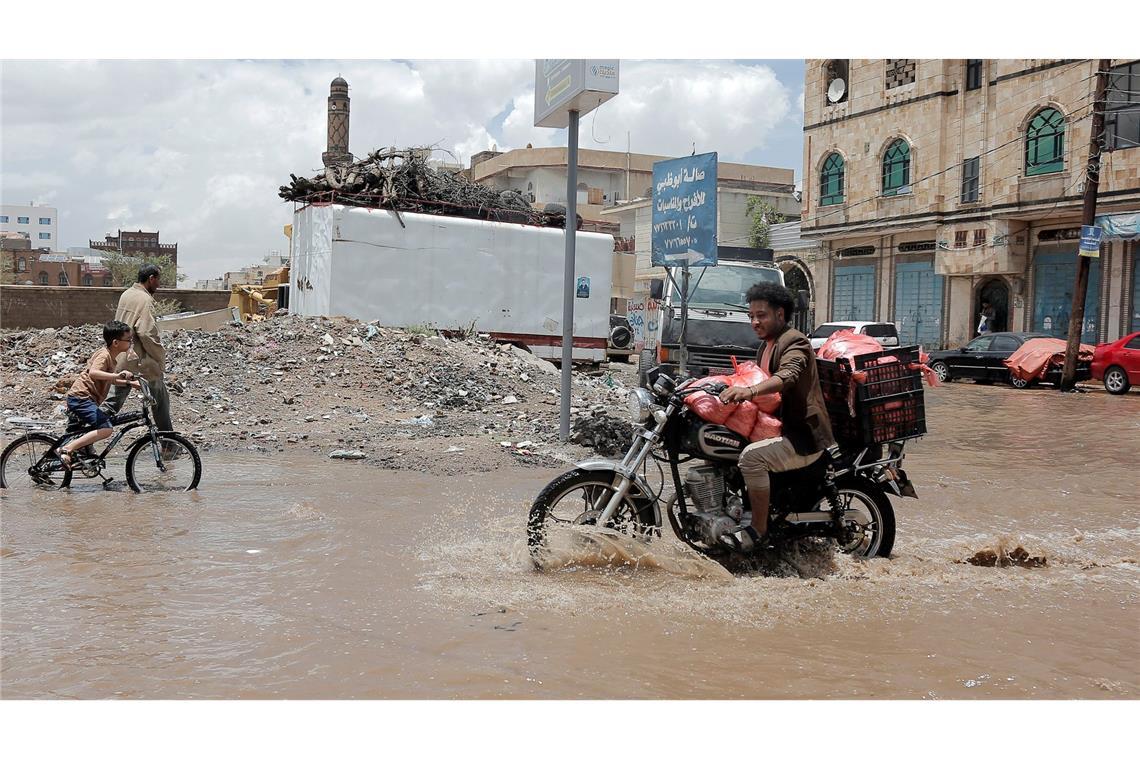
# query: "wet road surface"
307, 578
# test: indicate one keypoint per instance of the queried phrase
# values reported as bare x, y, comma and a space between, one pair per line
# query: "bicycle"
159, 460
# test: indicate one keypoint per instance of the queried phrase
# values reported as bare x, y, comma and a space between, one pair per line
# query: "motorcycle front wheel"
873, 520
578, 498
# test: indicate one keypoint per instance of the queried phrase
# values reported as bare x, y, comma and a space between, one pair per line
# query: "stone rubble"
330, 383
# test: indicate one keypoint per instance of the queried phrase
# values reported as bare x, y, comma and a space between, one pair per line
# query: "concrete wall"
24, 306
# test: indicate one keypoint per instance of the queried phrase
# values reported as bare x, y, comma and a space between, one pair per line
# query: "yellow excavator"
258, 302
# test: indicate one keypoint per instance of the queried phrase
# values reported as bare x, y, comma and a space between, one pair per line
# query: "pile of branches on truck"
402, 180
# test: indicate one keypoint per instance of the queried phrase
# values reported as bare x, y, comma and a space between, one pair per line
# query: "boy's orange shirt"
89, 388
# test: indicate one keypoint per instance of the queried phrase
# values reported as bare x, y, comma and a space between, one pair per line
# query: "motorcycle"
841, 497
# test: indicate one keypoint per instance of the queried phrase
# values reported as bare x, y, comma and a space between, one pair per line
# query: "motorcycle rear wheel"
577, 498
875, 526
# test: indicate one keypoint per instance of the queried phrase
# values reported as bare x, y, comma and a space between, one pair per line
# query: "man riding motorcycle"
787, 355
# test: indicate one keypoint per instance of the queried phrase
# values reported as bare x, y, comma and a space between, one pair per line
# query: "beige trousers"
770, 455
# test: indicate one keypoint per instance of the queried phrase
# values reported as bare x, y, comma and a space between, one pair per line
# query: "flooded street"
305, 578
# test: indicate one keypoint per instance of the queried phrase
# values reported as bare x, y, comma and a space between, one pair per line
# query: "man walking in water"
136, 309
787, 355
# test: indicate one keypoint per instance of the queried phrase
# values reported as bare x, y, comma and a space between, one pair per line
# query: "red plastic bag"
766, 427
740, 418
846, 344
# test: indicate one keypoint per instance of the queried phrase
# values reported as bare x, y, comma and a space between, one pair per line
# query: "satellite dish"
835, 90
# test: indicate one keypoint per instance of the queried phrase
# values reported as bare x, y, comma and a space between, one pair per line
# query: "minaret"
337, 154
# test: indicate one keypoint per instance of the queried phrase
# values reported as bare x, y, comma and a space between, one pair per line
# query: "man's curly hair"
777, 296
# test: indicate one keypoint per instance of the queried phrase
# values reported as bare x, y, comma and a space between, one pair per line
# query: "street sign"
684, 211
565, 85
1090, 241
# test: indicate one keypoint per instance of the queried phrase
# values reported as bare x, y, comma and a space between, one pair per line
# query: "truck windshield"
720, 285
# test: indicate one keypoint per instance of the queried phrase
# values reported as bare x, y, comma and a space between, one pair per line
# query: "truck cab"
718, 327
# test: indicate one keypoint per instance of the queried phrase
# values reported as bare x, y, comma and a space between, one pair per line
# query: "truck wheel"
646, 362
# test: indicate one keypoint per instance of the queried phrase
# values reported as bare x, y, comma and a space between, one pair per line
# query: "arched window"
88, 280
831, 181
107, 281
63, 278
896, 168
1045, 143
43, 278
21, 264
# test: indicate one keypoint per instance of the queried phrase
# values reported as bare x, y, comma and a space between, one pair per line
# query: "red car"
1118, 364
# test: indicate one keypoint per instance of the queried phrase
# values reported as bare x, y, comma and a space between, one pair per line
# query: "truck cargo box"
450, 273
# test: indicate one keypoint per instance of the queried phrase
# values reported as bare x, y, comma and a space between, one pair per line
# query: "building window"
973, 73
21, 220
4, 219
979, 238
1122, 108
960, 239
45, 220
107, 281
900, 71
88, 280
896, 168
45, 236
970, 179
831, 181
21, 264
1045, 143
62, 278
43, 278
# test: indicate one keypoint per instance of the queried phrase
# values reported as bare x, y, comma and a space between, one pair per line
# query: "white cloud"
198, 148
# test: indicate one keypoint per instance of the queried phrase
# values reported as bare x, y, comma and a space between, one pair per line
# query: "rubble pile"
603, 432
335, 384
403, 181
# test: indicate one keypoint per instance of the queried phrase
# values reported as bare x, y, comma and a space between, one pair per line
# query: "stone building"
137, 243
612, 185
936, 185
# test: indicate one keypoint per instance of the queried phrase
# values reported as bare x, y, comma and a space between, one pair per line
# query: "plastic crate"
869, 402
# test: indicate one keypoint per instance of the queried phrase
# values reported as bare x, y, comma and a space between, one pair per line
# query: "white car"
884, 332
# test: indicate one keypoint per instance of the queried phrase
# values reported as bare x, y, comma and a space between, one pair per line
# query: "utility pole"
1088, 217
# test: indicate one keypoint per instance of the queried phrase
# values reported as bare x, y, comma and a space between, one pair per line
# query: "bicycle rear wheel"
21, 466
174, 465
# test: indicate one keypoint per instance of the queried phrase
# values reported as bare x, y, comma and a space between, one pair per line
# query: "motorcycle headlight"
640, 402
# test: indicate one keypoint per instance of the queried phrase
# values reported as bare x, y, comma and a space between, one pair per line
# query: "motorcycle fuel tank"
713, 441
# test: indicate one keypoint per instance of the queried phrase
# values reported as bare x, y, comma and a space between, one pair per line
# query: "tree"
125, 269
763, 216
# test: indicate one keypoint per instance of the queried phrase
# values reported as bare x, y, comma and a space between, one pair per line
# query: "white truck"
451, 273
717, 327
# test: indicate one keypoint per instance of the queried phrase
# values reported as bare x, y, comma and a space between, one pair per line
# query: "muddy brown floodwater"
308, 578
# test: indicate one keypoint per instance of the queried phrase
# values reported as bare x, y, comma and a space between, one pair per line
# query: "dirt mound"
333, 383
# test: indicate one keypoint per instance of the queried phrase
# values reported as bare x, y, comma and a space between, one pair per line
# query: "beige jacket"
136, 308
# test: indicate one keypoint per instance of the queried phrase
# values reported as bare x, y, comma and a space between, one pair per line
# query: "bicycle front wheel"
23, 464
173, 465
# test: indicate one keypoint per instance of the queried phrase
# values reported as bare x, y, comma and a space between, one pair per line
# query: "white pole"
568, 279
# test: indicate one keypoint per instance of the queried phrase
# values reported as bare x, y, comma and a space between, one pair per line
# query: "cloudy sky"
198, 148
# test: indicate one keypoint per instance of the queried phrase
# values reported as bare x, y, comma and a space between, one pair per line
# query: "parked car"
983, 360
884, 332
1118, 363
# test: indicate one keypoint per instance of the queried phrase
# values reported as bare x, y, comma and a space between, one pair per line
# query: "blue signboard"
1090, 241
684, 211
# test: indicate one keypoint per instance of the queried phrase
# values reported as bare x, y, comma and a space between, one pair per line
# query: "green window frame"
1045, 143
896, 167
831, 181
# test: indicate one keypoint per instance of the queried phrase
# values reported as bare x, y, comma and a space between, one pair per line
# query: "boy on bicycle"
90, 390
